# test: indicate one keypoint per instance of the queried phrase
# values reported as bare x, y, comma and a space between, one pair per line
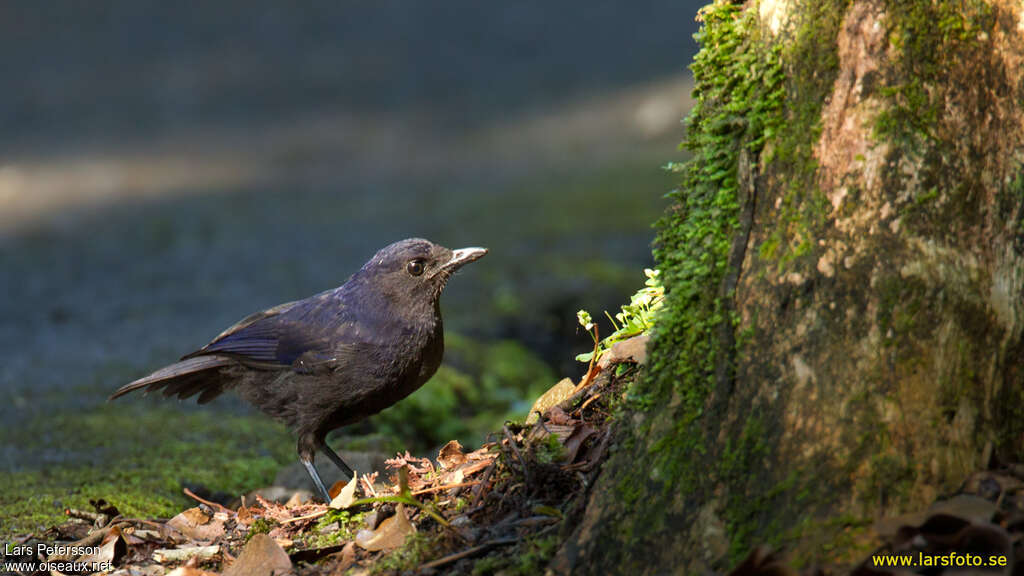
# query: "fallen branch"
214, 505
466, 553
515, 448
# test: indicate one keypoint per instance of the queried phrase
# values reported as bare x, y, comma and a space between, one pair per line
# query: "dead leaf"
576, 440
558, 416
451, 455
561, 432
296, 500
347, 496
195, 524
262, 556
416, 465
470, 468
554, 396
390, 534
346, 558
111, 550
244, 516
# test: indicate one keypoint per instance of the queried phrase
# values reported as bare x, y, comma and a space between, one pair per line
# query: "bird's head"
416, 268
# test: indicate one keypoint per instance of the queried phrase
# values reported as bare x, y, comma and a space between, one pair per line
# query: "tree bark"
844, 268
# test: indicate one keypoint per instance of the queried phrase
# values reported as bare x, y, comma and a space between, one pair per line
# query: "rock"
262, 556
555, 395
631, 350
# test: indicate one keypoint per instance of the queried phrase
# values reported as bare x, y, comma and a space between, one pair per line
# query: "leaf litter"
525, 486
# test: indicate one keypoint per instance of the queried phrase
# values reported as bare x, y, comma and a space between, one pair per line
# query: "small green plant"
636, 318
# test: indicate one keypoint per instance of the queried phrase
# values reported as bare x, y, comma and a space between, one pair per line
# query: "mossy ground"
138, 456
139, 453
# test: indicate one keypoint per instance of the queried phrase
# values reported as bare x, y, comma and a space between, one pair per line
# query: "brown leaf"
451, 455
390, 534
472, 467
262, 556
558, 416
576, 440
346, 558
244, 516
111, 550
297, 499
562, 432
416, 465
197, 525
347, 495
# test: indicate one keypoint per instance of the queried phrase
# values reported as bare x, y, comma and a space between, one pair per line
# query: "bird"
334, 358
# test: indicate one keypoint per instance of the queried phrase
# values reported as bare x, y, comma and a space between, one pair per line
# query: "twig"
591, 372
181, 554
312, 516
466, 553
587, 403
96, 518
215, 505
156, 525
445, 487
366, 481
482, 485
515, 448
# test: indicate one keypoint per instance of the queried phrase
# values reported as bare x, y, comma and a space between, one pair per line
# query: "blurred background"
166, 169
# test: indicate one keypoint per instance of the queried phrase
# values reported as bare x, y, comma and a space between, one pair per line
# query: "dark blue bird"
334, 358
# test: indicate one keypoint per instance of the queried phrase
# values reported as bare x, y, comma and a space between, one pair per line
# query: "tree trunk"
844, 267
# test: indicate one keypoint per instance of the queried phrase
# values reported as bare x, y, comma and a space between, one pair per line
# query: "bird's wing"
277, 337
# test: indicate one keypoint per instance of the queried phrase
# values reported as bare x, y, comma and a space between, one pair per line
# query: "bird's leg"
316, 479
307, 450
334, 457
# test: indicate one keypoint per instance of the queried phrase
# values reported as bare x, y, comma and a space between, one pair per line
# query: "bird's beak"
463, 256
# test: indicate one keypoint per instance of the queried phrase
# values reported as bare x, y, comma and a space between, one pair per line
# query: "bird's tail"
200, 375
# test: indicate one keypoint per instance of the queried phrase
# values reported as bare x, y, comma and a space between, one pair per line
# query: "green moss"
935, 44
741, 510
336, 527
752, 95
260, 526
137, 456
739, 95
415, 551
811, 61
930, 39
549, 450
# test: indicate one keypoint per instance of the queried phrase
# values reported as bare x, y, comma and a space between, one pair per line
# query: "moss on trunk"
844, 269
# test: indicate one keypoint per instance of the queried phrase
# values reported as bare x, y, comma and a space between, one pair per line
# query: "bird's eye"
415, 267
